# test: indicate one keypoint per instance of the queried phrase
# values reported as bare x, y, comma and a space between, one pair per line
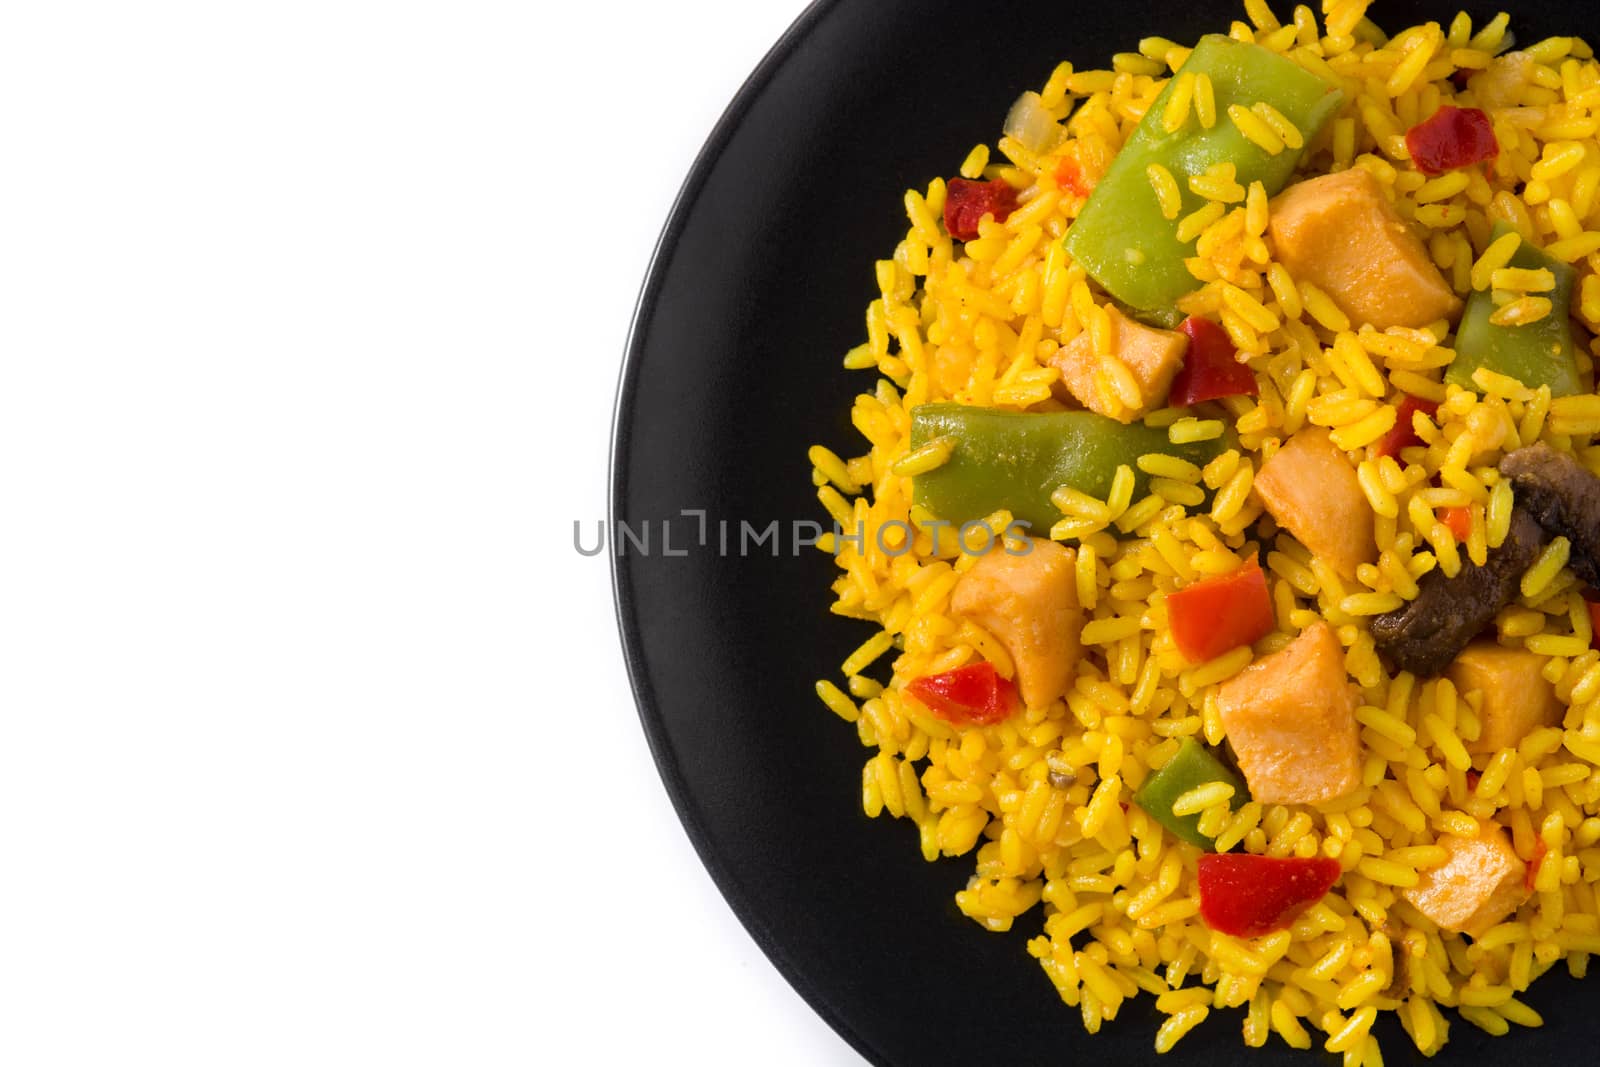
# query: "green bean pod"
1190, 767
1121, 237
1535, 354
1015, 460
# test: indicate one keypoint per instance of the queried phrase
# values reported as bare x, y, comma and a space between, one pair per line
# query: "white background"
316, 745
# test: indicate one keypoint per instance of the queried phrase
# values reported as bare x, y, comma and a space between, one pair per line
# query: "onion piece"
1500, 84
1031, 125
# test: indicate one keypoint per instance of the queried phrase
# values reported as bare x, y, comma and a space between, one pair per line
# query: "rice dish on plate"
1228, 519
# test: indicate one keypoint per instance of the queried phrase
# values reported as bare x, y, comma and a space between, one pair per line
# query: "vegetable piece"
1033, 126
1029, 602
1245, 895
1190, 767
1563, 497
1459, 519
1451, 137
1311, 489
1540, 851
1219, 614
971, 695
1516, 697
1477, 886
1538, 353
1121, 237
967, 202
1153, 356
1071, 176
1211, 368
1404, 434
1594, 625
1426, 635
1015, 460
1291, 718
1501, 83
1340, 233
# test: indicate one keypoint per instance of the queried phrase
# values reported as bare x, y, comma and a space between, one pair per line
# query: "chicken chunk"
1340, 233
1153, 356
1029, 602
1480, 884
1311, 490
1516, 697
1291, 719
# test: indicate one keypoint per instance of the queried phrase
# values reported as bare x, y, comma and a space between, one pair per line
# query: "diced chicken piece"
1029, 602
1516, 697
1341, 234
1311, 490
1154, 356
1291, 719
1480, 883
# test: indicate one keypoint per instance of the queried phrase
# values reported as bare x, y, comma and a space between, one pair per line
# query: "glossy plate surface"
756, 292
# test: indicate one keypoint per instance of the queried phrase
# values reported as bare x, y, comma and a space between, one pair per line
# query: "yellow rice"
977, 323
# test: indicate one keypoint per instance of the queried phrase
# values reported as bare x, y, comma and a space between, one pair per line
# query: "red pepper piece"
967, 202
1594, 625
1472, 780
1069, 176
1247, 896
1215, 615
971, 694
1402, 435
1453, 137
1211, 368
1459, 520
1540, 850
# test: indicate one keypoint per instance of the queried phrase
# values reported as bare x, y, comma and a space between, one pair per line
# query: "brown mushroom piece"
1564, 497
1426, 634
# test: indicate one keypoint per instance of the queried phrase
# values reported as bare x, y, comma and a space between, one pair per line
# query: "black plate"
756, 292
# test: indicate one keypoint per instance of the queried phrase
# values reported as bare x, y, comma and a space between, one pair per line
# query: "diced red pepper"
972, 694
1459, 519
1247, 895
1540, 850
1215, 615
1594, 625
1452, 137
1069, 176
967, 202
1211, 368
1473, 778
1401, 435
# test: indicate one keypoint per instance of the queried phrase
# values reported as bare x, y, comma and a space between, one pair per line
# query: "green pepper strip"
1121, 237
1539, 353
1015, 460
1191, 766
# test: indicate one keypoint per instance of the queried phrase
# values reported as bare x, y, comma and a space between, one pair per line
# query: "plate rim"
624, 599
